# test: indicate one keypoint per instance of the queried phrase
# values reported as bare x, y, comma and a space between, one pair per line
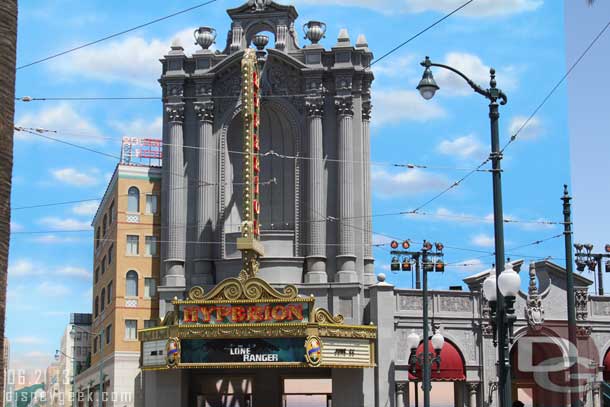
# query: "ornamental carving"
314, 106
455, 304
366, 110
204, 111
233, 289
175, 90
344, 106
534, 312
583, 331
259, 5
347, 332
322, 316
175, 112
245, 332
283, 80
581, 299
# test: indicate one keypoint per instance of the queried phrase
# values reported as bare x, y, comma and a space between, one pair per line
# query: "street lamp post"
427, 88
585, 258
57, 356
428, 266
101, 385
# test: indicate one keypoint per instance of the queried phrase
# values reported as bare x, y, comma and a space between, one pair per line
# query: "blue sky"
50, 274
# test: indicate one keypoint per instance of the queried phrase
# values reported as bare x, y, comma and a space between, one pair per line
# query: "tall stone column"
174, 231
346, 259
206, 193
316, 209
369, 266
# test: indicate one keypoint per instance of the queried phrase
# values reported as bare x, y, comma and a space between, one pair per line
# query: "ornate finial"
361, 42
533, 307
381, 277
533, 288
492, 74
343, 36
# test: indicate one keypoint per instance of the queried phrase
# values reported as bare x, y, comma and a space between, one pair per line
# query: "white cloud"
16, 227
50, 289
72, 176
86, 208
53, 239
22, 268
63, 118
464, 147
395, 106
380, 239
74, 272
479, 8
132, 59
483, 240
28, 340
400, 67
140, 128
532, 130
409, 182
473, 67
64, 223
470, 266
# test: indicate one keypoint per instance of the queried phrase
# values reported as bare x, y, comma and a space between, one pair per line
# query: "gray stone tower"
315, 147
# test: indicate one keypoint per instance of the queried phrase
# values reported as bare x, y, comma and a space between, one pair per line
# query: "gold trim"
294, 331
240, 365
176, 361
321, 315
234, 289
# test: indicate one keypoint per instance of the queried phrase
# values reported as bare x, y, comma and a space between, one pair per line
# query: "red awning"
607, 367
452, 364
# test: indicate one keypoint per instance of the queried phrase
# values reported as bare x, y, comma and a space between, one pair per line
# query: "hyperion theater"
266, 237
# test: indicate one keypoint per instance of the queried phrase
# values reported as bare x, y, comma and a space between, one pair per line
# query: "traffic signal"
394, 244
427, 245
428, 266
608, 267
406, 245
592, 264
406, 264
395, 265
440, 266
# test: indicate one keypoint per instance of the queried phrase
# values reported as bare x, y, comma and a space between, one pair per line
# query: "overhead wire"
271, 153
108, 37
554, 88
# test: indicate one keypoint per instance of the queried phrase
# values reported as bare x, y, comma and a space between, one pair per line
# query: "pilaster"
369, 266
346, 258
206, 182
316, 209
174, 180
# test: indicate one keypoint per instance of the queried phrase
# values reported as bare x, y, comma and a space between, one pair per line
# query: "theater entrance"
260, 389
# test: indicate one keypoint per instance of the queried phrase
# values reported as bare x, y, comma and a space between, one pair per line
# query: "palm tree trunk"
8, 58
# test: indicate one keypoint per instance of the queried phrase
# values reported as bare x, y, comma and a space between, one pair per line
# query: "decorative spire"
533, 307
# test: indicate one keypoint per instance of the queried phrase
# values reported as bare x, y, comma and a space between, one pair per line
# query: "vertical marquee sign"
249, 242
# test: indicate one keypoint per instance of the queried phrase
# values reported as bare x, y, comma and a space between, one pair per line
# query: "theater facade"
268, 289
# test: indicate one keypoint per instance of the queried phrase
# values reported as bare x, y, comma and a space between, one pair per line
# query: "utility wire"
421, 32
552, 91
116, 34
29, 99
271, 153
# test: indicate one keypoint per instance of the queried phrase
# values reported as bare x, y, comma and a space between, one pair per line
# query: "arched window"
131, 287
97, 237
104, 225
103, 297
97, 306
133, 200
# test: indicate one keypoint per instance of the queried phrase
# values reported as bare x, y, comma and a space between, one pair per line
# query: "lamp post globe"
427, 86
438, 341
413, 341
489, 288
509, 282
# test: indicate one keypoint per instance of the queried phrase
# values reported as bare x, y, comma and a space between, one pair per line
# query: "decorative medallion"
313, 351
172, 352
